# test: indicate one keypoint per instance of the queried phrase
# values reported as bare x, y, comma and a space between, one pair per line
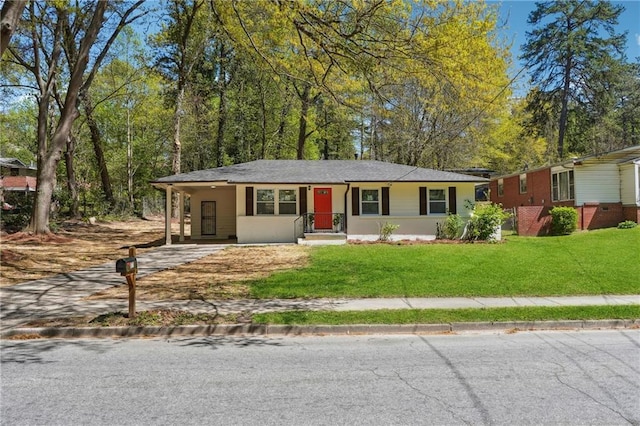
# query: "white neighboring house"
286, 201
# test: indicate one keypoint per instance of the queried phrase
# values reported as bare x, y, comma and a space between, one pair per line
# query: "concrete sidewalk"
61, 295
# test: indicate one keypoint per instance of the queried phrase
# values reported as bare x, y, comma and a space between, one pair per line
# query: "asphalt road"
587, 377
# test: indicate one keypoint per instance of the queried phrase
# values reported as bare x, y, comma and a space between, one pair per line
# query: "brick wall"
536, 220
631, 213
601, 215
533, 220
538, 191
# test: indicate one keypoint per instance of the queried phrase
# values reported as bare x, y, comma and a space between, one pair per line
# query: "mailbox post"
128, 267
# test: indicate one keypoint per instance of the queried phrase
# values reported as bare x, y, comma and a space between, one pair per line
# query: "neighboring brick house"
604, 188
16, 181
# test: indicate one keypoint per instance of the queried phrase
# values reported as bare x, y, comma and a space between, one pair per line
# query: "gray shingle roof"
317, 172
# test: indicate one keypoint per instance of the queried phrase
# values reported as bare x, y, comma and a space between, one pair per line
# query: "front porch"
320, 228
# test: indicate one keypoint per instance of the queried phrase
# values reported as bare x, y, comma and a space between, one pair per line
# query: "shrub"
484, 220
627, 224
19, 218
451, 228
386, 230
564, 220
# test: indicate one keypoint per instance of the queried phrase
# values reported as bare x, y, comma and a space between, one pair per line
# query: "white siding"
597, 183
225, 198
404, 209
278, 228
629, 184
266, 229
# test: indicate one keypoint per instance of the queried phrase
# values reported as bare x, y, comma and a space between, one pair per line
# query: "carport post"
181, 198
167, 217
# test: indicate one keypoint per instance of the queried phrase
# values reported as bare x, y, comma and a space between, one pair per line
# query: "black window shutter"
303, 199
452, 200
249, 200
423, 200
385, 201
355, 201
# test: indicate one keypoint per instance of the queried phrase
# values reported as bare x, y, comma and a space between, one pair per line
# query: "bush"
452, 227
485, 219
627, 224
564, 220
19, 218
386, 230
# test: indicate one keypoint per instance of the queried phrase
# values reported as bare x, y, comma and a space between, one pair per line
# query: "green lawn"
443, 316
596, 262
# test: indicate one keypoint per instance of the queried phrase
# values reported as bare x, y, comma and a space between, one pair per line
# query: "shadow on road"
214, 342
32, 351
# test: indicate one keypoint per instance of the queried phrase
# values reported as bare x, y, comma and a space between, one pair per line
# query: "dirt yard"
78, 245
219, 276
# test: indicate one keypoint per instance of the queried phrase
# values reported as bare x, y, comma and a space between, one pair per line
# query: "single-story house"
276, 201
17, 180
604, 188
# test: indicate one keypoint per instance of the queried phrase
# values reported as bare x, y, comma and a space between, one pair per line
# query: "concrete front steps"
323, 239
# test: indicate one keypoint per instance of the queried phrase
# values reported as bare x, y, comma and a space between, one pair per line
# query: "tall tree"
182, 42
336, 49
39, 51
570, 43
9, 18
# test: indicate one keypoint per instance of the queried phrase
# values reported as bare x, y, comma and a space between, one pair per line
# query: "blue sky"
514, 14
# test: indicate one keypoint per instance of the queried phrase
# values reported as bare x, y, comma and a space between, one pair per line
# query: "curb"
311, 330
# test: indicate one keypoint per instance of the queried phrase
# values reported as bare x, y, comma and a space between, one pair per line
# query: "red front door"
322, 208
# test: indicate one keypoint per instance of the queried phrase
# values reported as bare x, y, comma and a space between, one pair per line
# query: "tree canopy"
124, 92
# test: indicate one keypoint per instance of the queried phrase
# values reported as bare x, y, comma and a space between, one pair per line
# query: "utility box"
127, 266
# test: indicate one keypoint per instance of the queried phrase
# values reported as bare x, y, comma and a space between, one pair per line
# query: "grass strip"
439, 316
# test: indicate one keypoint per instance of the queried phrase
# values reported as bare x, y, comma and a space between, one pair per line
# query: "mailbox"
127, 266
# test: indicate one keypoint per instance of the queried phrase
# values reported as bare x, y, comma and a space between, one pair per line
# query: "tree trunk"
263, 123
9, 19
562, 126
39, 222
44, 194
177, 145
96, 140
129, 160
302, 129
49, 158
222, 122
281, 130
72, 185
222, 106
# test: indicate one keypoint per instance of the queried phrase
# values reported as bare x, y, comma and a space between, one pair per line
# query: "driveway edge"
313, 330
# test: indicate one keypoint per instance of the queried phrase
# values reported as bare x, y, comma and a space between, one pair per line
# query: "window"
266, 205
500, 188
437, 201
265, 201
287, 201
562, 186
370, 203
523, 183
